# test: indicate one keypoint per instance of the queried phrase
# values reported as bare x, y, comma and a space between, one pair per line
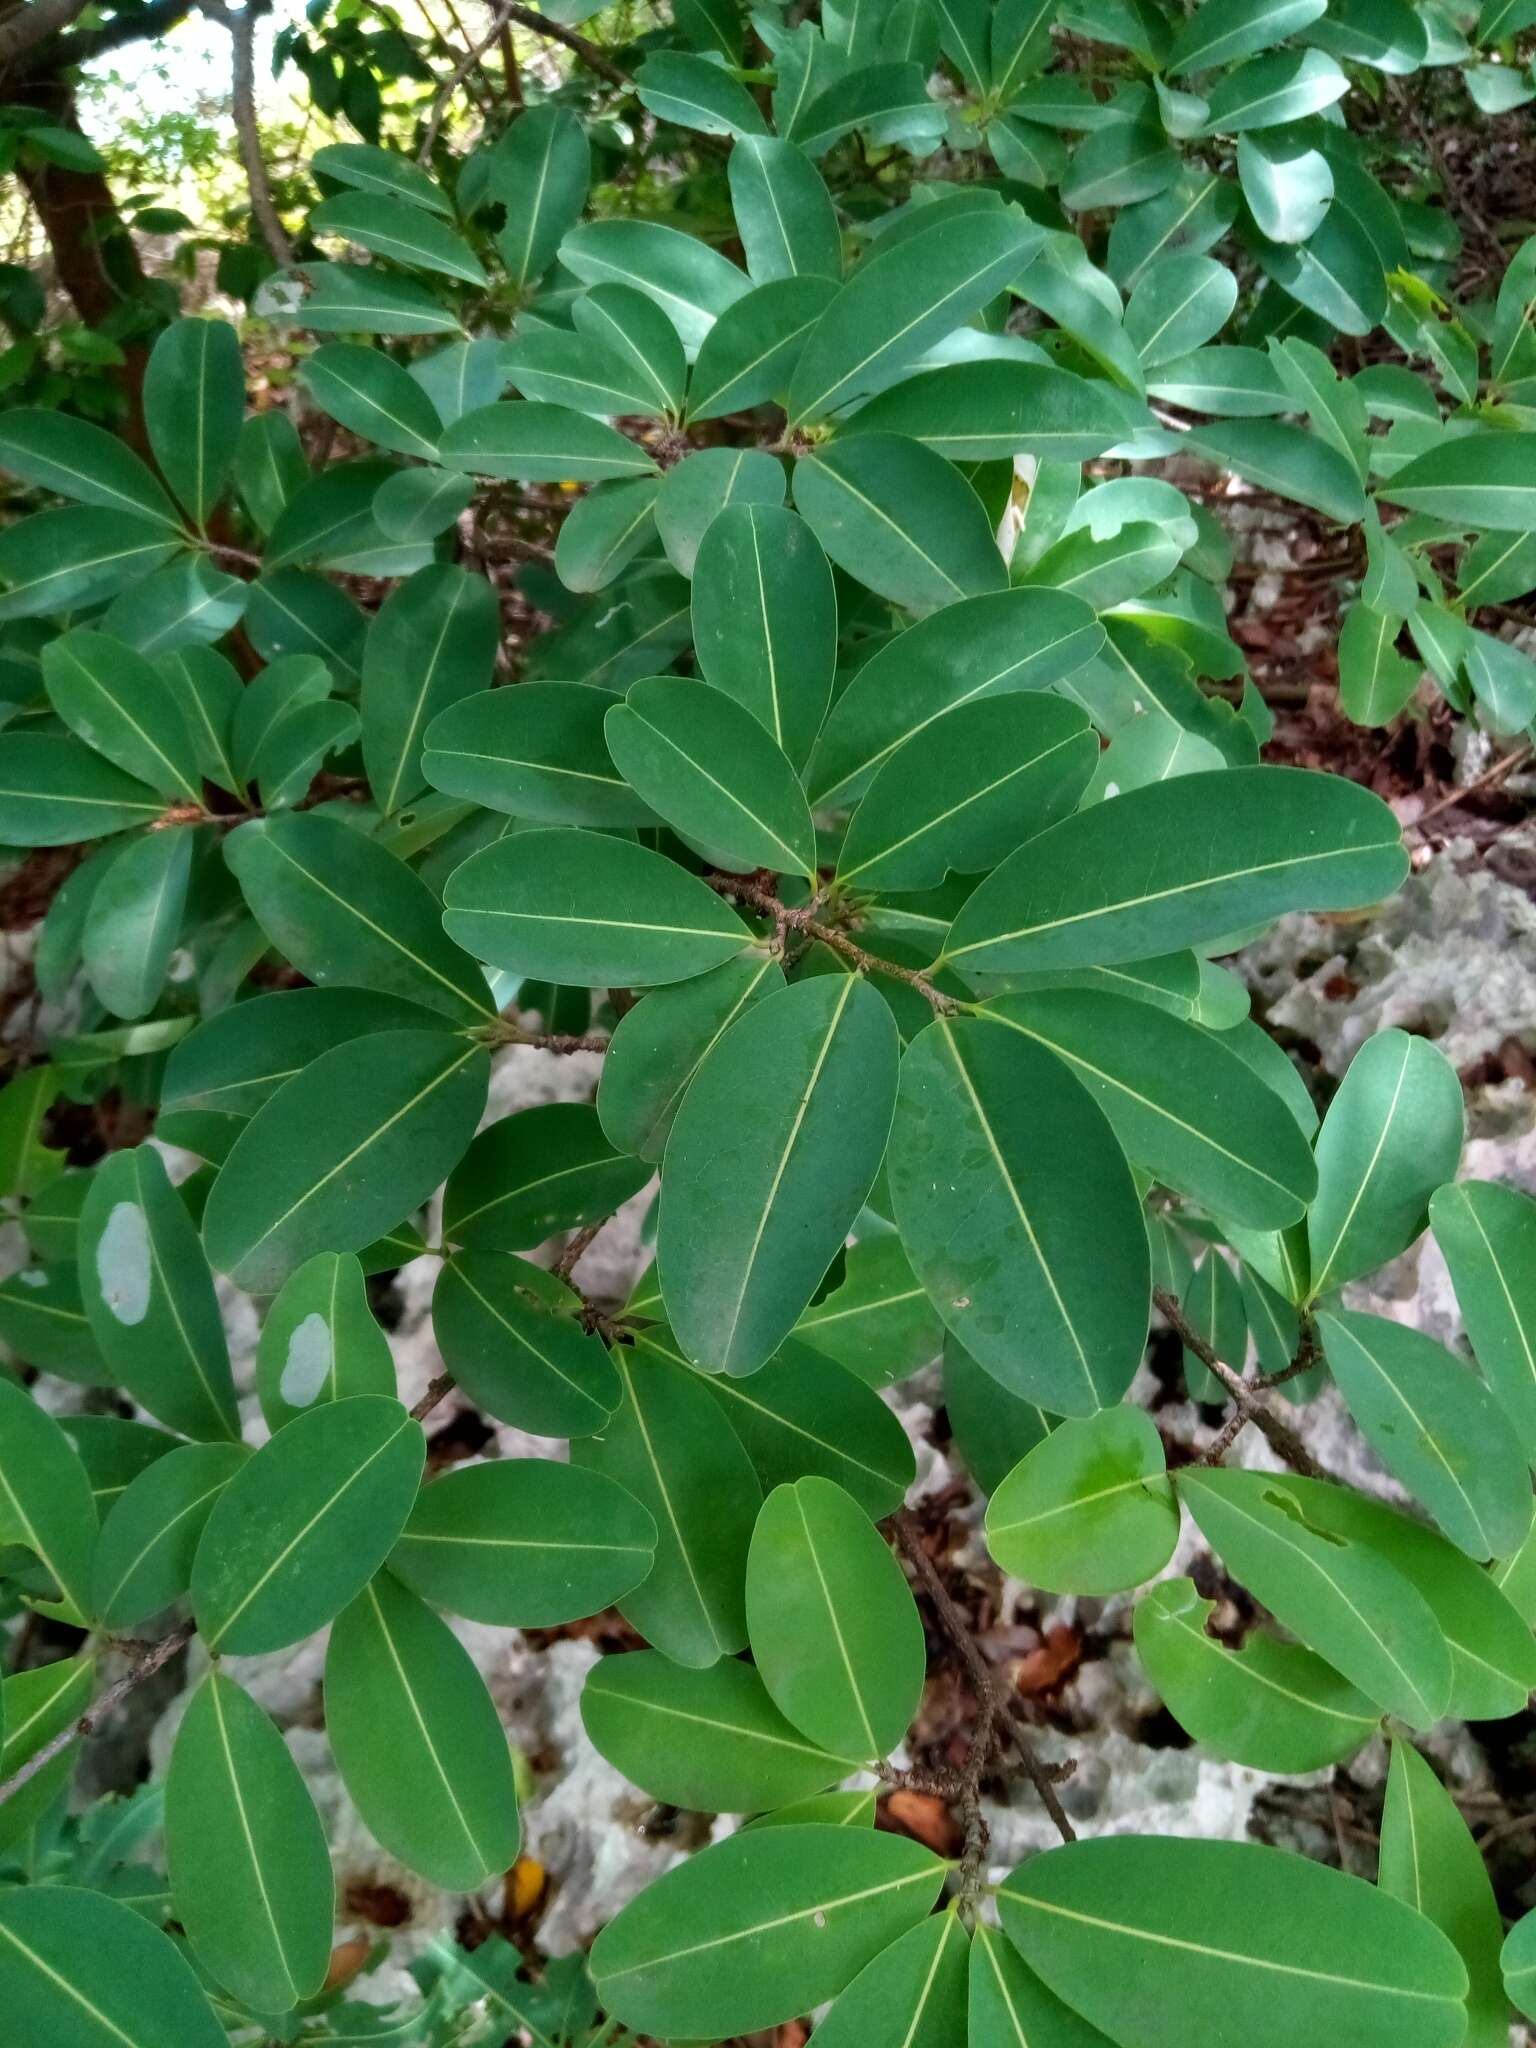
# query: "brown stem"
994, 1705
147, 1660
576, 1249
241, 24
791, 917
1282, 1439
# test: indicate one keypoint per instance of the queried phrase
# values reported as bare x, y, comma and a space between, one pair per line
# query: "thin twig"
540, 25
792, 917
146, 1662
575, 1250
241, 24
1282, 1439
1489, 776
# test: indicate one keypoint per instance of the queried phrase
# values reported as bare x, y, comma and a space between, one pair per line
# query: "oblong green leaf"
1481, 480
710, 1741
45, 1498
522, 1543
400, 229
144, 1559
992, 410
120, 704
342, 1151
431, 644
194, 407
83, 1971
1435, 1426
54, 791
671, 1448
704, 763
1184, 1106
723, 1943
1029, 1284
305, 1524
784, 213
1430, 1861
1343, 1602
900, 520
536, 752
1090, 1509
691, 282
497, 1323
134, 921
528, 1175
1271, 1705
1315, 1948
249, 1867
1487, 1233
1180, 863
583, 910
749, 355
418, 1741
1392, 1134
319, 1341
343, 909
58, 452
149, 1296
532, 442
58, 561
834, 1629
540, 170
765, 620
748, 1229
912, 1995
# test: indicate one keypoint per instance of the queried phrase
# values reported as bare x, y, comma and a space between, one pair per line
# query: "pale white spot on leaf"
308, 1361
123, 1271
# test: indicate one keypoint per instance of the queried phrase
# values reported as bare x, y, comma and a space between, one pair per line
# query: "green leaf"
1119, 164
36, 1707
584, 910
1010, 2008
1435, 1426
529, 442
704, 763
1177, 864
528, 1175
759, 1928
1239, 382
1287, 183
354, 298
1285, 459
968, 790
749, 355
386, 172
419, 504
144, 1558
60, 453
186, 604
343, 910
878, 1322
118, 703
56, 562
1392, 1134
603, 532
1271, 91
702, 486
369, 393
709, 1741
342, 1152
522, 1543
658, 1045
637, 332
1313, 1948
1375, 682
297, 613
1487, 1233
796, 1420
987, 410
584, 372
1044, 1277
1008, 641
765, 620
834, 1629
134, 922
431, 644
27, 1165
900, 301
194, 408
749, 1226
1222, 31
400, 230
319, 1341
149, 1296
1184, 1106
691, 282
418, 1740
912, 1995
539, 170
1517, 1960
82, 1971
691, 92
1347, 1604
1089, 1510
54, 791
508, 1334
1178, 304
1481, 480
784, 213
1270, 1705
536, 752
45, 1497
672, 1448
1431, 1863
249, 1868
305, 1523
900, 520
